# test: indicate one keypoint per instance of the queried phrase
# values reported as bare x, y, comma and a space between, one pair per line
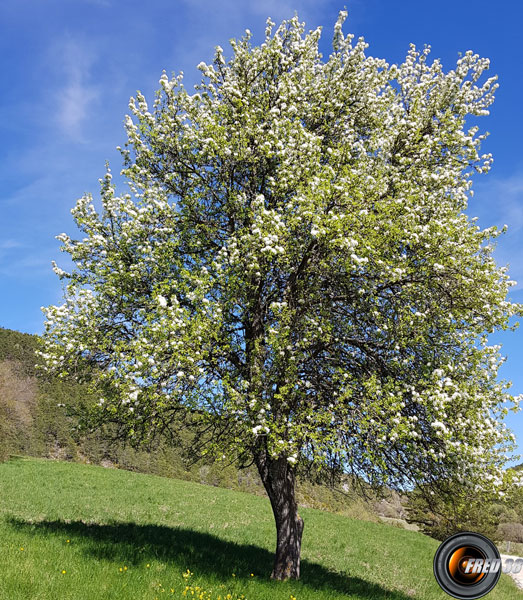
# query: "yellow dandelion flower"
63, 571
22, 549
67, 541
147, 565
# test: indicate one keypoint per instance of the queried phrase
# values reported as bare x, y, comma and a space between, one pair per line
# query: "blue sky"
70, 66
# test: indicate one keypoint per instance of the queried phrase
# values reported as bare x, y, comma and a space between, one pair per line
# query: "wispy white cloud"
285, 9
276, 9
22, 267
76, 97
228, 19
75, 106
498, 202
8, 244
19, 260
104, 3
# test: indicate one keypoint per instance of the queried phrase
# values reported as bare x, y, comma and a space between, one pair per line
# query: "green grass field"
71, 531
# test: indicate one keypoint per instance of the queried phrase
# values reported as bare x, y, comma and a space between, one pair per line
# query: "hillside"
80, 532
32, 424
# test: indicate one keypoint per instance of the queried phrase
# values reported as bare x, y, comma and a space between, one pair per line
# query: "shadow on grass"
132, 544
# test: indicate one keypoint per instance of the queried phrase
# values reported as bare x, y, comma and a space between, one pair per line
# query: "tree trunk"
279, 481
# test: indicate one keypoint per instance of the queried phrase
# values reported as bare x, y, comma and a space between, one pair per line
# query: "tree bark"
279, 481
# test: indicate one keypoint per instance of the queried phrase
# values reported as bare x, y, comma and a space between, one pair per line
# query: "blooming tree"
293, 271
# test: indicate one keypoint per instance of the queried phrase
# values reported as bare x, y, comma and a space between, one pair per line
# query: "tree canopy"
294, 272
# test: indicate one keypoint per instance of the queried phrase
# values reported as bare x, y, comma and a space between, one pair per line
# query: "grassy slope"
121, 535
